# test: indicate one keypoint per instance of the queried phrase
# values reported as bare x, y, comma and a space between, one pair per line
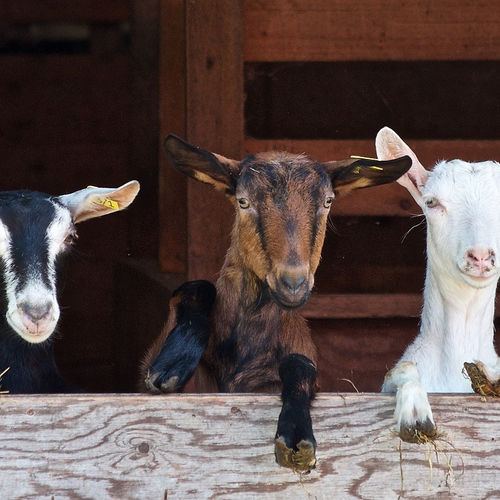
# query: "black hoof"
181, 352
302, 458
295, 446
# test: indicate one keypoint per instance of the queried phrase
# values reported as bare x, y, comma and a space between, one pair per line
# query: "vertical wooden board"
173, 237
143, 149
215, 97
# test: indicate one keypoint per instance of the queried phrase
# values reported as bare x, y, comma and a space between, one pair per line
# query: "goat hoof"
155, 384
302, 459
480, 383
418, 432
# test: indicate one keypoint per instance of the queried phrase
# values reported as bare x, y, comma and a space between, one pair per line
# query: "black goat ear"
356, 173
202, 165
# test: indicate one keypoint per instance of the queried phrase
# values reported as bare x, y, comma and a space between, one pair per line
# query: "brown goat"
248, 335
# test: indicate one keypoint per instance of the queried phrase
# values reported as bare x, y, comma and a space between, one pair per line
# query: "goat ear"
389, 145
201, 165
347, 175
95, 202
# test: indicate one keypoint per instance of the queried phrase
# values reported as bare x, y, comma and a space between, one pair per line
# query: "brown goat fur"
257, 340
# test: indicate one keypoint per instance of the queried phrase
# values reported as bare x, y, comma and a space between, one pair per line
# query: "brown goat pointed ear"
347, 175
201, 165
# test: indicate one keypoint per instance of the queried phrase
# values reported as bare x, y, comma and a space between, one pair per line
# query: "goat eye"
431, 202
328, 201
243, 203
71, 239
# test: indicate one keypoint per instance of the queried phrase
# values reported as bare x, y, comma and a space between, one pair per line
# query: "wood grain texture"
363, 306
324, 30
221, 446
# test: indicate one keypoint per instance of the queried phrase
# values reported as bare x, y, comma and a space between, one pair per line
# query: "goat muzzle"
290, 288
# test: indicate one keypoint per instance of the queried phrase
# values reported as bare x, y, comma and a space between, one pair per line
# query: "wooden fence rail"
221, 446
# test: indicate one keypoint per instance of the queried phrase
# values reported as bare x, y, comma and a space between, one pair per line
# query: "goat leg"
181, 346
295, 445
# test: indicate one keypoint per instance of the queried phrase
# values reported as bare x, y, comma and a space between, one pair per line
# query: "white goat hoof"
413, 414
418, 432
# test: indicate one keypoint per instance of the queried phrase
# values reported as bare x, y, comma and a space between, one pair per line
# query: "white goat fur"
461, 203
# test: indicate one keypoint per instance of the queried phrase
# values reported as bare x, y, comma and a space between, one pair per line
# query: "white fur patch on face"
32, 309
463, 222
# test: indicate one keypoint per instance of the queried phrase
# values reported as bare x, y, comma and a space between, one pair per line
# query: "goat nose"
36, 313
293, 282
481, 257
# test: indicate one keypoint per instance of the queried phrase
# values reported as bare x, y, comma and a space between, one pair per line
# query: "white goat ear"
389, 145
95, 202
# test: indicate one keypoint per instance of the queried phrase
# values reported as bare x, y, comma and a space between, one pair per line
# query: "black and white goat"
36, 231
461, 203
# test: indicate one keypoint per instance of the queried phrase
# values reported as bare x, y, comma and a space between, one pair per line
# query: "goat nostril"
481, 256
293, 283
472, 257
36, 312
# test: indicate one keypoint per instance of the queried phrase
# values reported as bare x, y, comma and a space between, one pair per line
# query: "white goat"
461, 203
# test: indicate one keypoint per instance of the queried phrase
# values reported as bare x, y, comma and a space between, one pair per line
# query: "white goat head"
36, 230
461, 203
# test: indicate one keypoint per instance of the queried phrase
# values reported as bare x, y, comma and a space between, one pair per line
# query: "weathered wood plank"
402, 305
342, 30
220, 446
365, 305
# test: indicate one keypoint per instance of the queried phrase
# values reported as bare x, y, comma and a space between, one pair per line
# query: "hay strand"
1, 375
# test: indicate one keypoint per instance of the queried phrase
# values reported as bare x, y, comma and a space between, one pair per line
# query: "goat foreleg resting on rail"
413, 412
173, 359
295, 446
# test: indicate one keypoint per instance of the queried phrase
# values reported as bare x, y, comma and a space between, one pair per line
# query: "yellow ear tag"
105, 202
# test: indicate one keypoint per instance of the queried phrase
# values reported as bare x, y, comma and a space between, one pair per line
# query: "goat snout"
293, 283
36, 313
291, 287
480, 261
35, 322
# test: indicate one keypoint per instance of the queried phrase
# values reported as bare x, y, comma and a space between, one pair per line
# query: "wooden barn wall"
87, 113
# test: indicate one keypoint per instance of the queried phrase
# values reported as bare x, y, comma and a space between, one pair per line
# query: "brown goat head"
282, 202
